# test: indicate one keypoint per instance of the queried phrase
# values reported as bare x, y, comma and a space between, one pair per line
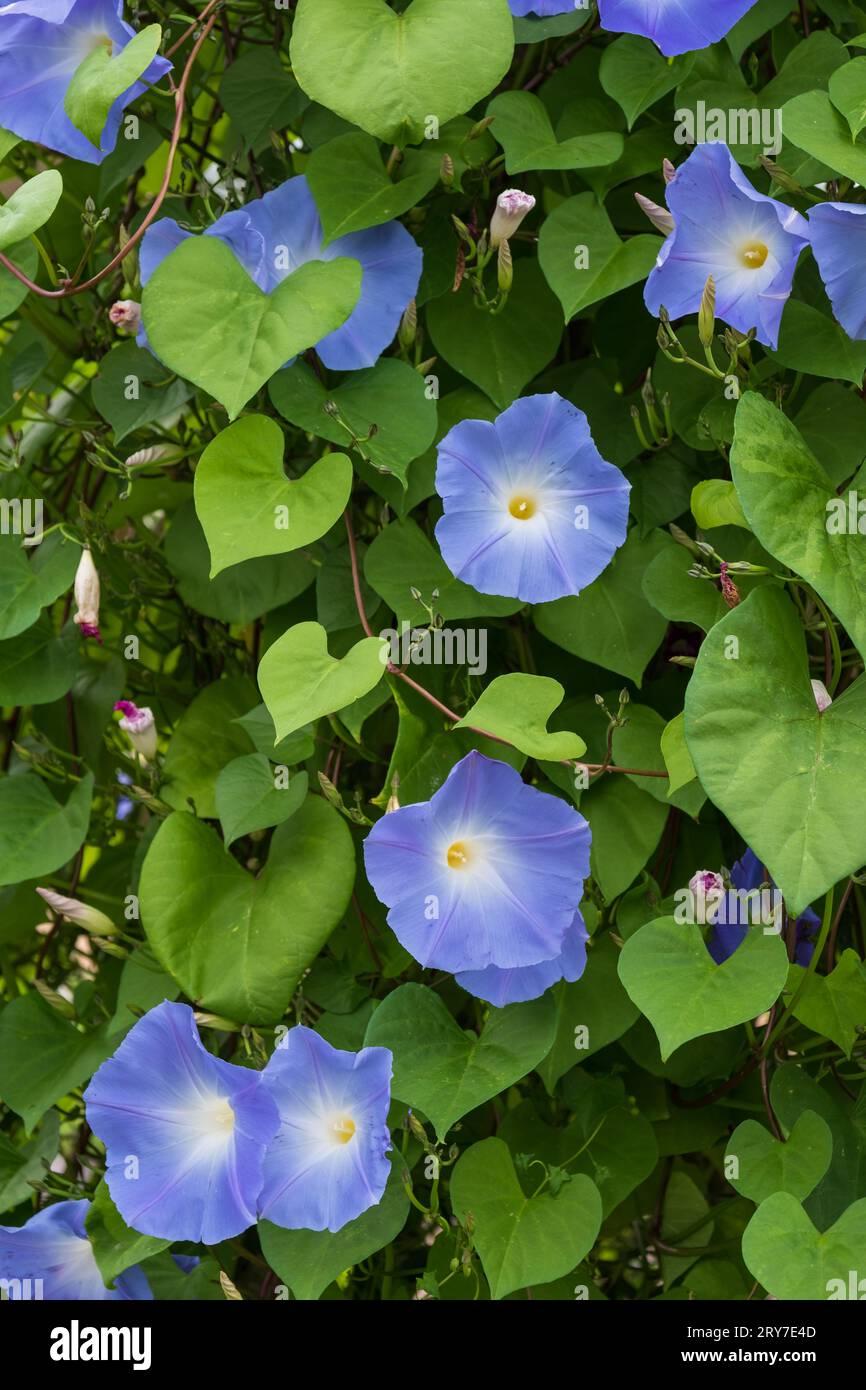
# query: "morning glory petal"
185, 1133
490, 871
328, 1162
50, 1257
42, 43
501, 987
837, 232
531, 509
675, 26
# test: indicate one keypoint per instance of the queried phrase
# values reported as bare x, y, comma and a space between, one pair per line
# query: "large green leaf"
766, 1165
43, 1056
246, 504
300, 680
249, 797
522, 127
785, 775
436, 59
785, 494
610, 623
352, 189
31, 579
636, 74
500, 353
208, 321
115, 1245
401, 559
206, 737
389, 403
793, 1260
522, 1240
583, 257
833, 1005
672, 978
446, 1072
812, 123
238, 944
37, 834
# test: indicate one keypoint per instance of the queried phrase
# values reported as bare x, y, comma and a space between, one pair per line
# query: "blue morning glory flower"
185, 1133
489, 871
748, 242
675, 26
542, 8
276, 234
729, 931
837, 232
328, 1162
50, 1257
501, 987
531, 509
42, 42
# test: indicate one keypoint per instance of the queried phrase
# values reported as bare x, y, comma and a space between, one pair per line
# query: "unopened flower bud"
706, 881
74, 911
823, 698
659, 216
707, 313
446, 170
86, 593
416, 1129
669, 172
511, 208
394, 798
408, 325
140, 728
126, 313
505, 267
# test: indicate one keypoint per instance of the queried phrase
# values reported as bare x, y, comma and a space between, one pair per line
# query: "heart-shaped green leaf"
29, 580
37, 834
308, 1261
391, 396
833, 1005
584, 259
847, 88
445, 1072
352, 190
517, 707
300, 680
435, 60
793, 1260
209, 322
672, 978
636, 75
785, 775
765, 1165
30, 207
238, 944
522, 127
252, 795
100, 79
810, 340
522, 1240
500, 353
785, 494
246, 504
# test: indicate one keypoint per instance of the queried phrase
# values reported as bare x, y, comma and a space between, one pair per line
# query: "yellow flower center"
459, 855
343, 1129
754, 254
522, 508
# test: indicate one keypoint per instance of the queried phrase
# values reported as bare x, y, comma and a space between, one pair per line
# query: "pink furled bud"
140, 727
126, 313
86, 592
660, 217
74, 911
669, 172
705, 881
823, 698
511, 208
